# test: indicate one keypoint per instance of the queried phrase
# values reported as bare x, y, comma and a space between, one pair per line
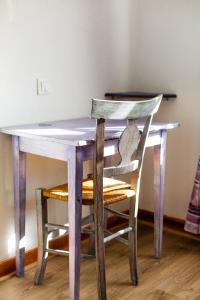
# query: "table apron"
63, 152
111, 146
45, 148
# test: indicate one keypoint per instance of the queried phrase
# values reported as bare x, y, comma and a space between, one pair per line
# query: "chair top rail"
119, 110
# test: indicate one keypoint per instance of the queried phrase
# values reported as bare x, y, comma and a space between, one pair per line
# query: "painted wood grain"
99, 210
119, 110
159, 177
19, 180
42, 233
77, 132
132, 145
75, 174
60, 136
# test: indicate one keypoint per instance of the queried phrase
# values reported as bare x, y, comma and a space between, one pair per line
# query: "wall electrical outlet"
43, 87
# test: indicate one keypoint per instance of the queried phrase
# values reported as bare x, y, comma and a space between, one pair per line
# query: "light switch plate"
43, 87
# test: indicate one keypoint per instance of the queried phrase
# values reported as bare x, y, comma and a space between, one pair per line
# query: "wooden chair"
106, 190
131, 149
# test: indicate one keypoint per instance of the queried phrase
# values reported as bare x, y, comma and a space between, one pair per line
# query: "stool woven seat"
114, 191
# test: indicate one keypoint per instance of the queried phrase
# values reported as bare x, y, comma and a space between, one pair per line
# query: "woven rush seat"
114, 191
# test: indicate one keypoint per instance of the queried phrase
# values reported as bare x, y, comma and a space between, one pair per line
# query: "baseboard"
171, 224
8, 266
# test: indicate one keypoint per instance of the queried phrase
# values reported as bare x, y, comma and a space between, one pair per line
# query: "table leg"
19, 180
159, 176
75, 174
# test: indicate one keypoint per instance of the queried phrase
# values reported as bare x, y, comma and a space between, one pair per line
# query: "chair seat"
114, 191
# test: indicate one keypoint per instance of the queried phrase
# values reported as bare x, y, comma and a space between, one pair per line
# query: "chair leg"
133, 244
105, 219
100, 249
42, 218
91, 246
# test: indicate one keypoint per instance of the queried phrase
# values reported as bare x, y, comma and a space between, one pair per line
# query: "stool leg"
42, 219
133, 243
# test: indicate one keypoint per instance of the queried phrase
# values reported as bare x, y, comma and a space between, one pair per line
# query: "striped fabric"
192, 223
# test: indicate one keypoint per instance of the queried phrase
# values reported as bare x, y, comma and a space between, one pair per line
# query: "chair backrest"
131, 150
132, 141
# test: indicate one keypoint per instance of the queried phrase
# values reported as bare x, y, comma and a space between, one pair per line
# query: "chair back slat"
128, 146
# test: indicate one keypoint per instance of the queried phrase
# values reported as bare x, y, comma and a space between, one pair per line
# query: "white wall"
168, 51
83, 49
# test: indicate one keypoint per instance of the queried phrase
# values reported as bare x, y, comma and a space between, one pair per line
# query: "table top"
139, 95
77, 132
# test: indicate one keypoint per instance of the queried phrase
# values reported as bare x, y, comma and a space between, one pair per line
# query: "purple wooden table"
72, 141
